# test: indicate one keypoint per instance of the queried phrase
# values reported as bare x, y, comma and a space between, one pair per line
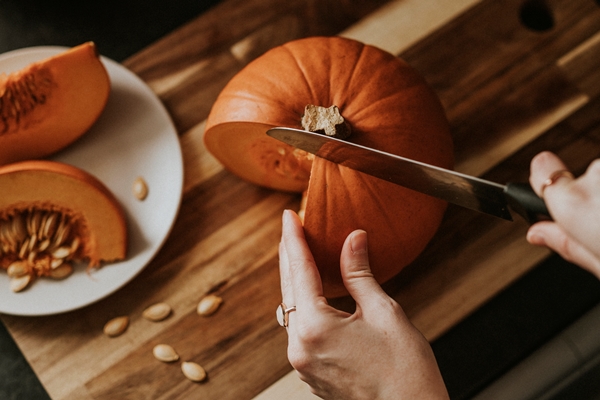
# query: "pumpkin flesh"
388, 106
94, 222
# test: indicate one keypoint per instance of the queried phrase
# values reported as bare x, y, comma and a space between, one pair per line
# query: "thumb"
551, 235
356, 271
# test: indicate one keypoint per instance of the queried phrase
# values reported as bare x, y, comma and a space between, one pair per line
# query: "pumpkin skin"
53, 186
389, 107
58, 99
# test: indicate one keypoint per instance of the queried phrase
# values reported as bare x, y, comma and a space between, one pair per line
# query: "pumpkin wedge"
385, 104
50, 103
52, 214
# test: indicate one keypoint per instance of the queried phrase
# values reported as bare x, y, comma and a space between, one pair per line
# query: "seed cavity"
38, 243
22, 94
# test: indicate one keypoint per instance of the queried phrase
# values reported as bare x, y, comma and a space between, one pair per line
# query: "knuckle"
298, 358
359, 270
565, 247
297, 264
310, 336
595, 166
593, 170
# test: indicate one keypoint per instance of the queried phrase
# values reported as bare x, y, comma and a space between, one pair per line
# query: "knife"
457, 188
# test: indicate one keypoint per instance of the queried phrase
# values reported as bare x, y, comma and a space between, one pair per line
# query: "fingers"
551, 235
356, 272
287, 290
298, 268
546, 175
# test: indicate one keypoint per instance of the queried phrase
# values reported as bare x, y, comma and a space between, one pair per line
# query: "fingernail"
358, 242
286, 215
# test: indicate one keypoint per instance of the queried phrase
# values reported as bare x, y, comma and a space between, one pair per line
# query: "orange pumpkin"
388, 106
49, 104
53, 213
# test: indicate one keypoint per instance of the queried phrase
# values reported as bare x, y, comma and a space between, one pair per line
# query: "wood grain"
509, 93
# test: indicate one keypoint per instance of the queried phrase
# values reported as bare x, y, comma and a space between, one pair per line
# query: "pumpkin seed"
56, 262
61, 272
19, 283
62, 232
50, 225
23, 249
40, 232
209, 305
165, 353
62, 252
44, 245
75, 245
19, 232
17, 268
140, 188
193, 371
157, 312
32, 242
34, 221
116, 326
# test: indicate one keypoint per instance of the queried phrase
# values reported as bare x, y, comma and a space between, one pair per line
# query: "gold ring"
283, 314
563, 173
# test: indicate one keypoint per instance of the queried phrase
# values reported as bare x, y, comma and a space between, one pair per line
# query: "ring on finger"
283, 314
563, 173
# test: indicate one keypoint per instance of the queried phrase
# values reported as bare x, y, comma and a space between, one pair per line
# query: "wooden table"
509, 92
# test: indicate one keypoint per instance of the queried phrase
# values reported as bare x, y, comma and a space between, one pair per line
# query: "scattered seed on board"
140, 188
209, 305
116, 326
165, 353
193, 371
157, 312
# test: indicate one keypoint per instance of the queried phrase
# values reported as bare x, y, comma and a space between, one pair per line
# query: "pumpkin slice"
49, 104
53, 214
387, 105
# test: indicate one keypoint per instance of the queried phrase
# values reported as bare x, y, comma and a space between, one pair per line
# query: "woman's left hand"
373, 353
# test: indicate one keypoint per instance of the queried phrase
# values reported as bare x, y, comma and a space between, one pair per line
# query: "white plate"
133, 137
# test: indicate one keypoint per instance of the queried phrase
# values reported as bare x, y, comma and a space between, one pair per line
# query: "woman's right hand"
574, 205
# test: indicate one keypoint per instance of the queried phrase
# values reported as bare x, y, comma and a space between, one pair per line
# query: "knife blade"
457, 188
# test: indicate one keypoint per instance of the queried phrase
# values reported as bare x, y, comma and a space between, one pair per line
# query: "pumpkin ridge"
303, 74
376, 105
294, 59
356, 67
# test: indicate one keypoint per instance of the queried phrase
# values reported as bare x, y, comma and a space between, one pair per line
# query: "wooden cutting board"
509, 92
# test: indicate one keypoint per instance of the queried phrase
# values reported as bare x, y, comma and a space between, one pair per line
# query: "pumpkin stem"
326, 121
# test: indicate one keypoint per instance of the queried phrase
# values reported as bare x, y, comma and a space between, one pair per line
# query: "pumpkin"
387, 105
52, 214
50, 103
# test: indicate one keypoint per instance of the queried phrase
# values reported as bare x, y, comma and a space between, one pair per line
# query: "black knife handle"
523, 200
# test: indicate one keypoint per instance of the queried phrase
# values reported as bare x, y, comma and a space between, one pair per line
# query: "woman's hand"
374, 353
575, 207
